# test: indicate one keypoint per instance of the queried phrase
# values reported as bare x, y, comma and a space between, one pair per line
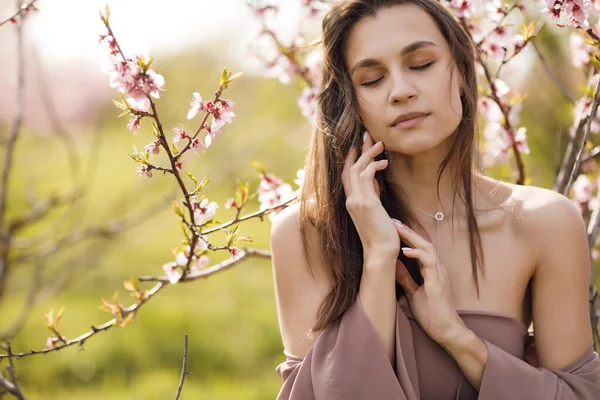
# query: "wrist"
462, 341
380, 256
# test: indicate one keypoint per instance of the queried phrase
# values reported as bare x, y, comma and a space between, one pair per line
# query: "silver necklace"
439, 217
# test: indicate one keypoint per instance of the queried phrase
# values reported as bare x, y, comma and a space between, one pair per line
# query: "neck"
414, 179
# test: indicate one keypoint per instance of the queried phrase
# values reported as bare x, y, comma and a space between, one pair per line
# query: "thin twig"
184, 370
80, 340
24, 9
11, 370
29, 302
507, 124
586, 134
552, 75
244, 254
206, 272
259, 214
8, 157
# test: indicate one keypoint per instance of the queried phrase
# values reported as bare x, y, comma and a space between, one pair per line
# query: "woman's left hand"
431, 303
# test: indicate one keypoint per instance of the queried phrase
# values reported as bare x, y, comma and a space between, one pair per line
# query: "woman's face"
400, 63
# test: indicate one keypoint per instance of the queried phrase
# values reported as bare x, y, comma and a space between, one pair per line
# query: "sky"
65, 30
64, 37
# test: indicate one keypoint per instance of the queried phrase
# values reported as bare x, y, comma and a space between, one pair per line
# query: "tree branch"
184, 370
552, 75
10, 148
588, 126
206, 272
23, 10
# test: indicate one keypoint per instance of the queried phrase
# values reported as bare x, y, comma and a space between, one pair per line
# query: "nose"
402, 89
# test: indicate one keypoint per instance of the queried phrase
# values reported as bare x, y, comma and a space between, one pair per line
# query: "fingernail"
405, 249
396, 222
365, 136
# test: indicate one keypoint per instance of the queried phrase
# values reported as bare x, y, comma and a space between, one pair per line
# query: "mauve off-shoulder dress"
347, 361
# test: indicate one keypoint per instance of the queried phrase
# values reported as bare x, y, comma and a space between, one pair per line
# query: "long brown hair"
339, 127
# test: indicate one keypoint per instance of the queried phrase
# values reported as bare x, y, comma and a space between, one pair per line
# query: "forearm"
378, 297
470, 353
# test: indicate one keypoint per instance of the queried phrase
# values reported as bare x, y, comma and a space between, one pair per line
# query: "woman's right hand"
375, 227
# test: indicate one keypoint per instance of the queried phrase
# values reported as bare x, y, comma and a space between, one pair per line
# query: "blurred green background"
234, 342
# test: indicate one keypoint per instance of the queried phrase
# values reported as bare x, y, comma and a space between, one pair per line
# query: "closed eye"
420, 67
370, 83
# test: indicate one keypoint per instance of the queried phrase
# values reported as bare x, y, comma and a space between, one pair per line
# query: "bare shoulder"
298, 292
550, 221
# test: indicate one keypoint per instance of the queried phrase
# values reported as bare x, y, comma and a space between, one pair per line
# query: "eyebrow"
411, 48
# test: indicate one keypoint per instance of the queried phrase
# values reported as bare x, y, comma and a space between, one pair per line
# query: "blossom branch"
132, 310
18, 393
80, 340
184, 370
8, 157
23, 11
588, 126
506, 120
259, 214
206, 272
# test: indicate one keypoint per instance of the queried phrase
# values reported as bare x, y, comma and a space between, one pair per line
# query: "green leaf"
258, 165
191, 176
177, 208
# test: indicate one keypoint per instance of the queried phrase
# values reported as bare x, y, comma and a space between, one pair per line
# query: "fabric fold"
348, 361
507, 377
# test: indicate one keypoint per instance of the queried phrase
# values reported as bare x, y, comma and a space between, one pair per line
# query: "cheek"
369, 113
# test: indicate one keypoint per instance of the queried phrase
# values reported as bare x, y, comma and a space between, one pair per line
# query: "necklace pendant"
439, 216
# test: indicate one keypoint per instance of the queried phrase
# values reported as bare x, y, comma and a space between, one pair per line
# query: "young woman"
403, 273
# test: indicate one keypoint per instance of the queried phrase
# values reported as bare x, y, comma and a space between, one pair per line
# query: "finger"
368, 156
415, 239
348, 163
405, 280
367, 142
426, 259
369, 173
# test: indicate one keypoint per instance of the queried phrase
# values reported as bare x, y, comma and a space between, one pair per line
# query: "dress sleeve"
507, 377
348, 362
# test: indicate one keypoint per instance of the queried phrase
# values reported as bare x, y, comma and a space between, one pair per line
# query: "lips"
409, 120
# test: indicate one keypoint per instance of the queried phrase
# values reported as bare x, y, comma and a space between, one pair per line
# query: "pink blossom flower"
134, 124
300, 177
197, 144
580, 50
313, 65
203, 211
196, 105
179, 164
181, 258
200, 263
272, 191
308, 103
229, 203
582, 189
501, 88
154, 84
153, 147
144, 170
172, 271
180, 134
462, 8
498, 143
573, 13
51, 342
227, 105
235, 252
